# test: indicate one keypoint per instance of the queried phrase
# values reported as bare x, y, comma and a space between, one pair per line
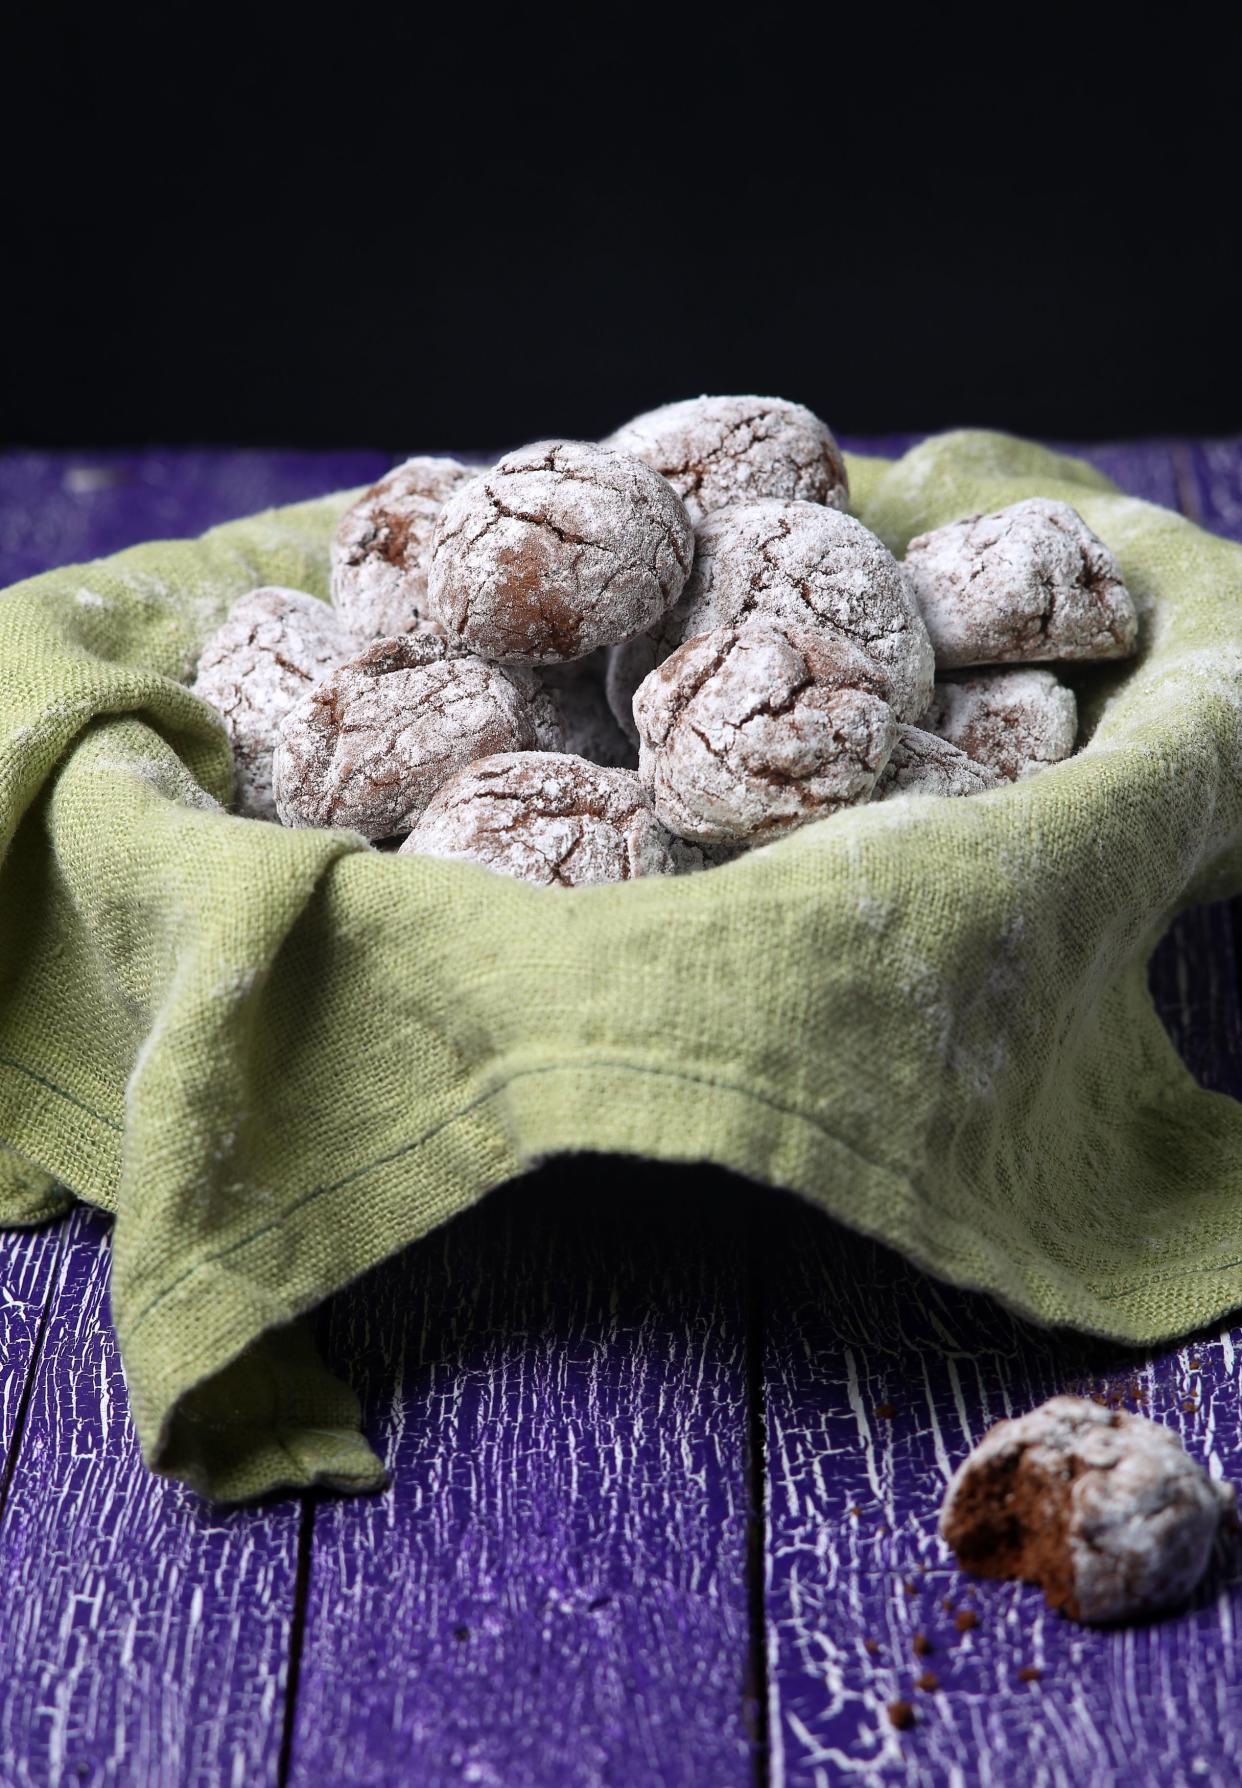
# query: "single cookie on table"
369, 746
1014, 721
274, 645
747, 732
588, 729
562, 547
1023, 585
795, 563
382, 546
715, 451
1101, 1508
548, 818
921, 763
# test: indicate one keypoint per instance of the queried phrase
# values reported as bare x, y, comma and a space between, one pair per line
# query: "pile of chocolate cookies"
595, 661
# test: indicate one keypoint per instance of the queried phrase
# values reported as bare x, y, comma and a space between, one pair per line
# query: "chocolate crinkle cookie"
369, 746
274, 646
562, 547
715, 451
1014, 721
382, 547
1026, 584
548, 818
923, 764
747, 732
1101, 1508
797, 564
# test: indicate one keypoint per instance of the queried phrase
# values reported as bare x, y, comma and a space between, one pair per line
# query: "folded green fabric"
280, 1056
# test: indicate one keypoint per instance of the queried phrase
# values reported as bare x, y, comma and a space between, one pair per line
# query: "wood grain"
27, 1273
144, 1636
553, 1590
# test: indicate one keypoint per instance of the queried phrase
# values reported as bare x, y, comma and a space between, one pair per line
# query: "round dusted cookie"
1012, 721
274, 646
801, 564
548, 818
1101, 1508
720, 450
1026, 584
747, 732
923, 764
382, 546
369, 746
561, 548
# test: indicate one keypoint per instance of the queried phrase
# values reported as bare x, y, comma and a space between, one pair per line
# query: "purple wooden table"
665, 1469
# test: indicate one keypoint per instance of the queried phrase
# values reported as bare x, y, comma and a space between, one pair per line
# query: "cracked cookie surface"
1014, 721
548, 818
369, 746
1027, 584
274, 645
564, 546
1101, 1508
748, 732
382, 547
923, 764
798, 564
716, 451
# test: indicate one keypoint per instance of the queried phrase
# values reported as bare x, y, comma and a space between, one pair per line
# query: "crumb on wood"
921, 1645
929, 1682
871, 1646
965, 1619
911, 1589
901, 1714
1030, 1673
1190, 1404
946, 1602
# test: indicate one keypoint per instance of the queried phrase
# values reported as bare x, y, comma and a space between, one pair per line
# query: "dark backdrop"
410, 232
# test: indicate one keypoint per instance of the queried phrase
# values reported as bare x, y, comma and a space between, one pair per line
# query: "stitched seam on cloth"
42, 1080
576, 1066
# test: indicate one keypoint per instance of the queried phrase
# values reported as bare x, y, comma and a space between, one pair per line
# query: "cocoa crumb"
929, 1682
921, 1645
885, 1411
871, 1646
854, 1511
946, 1602
901, 1714
1029, 1673
965, 1619
1190, 1404
1194, 1364
911, 1589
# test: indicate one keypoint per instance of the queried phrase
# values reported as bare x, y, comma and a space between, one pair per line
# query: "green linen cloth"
279, 1056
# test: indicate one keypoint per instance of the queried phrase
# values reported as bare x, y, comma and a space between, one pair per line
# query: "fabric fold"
279, 1057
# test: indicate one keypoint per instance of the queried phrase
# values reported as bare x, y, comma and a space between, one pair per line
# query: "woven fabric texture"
280, 1056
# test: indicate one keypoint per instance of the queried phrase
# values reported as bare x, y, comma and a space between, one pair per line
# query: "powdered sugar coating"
747, 732
1014, 721
547, 818
715, 451
923, 764
382, 546
802, 564
369, 746
1115, 1520
588, 728
1026, 584
562, 547
274, 645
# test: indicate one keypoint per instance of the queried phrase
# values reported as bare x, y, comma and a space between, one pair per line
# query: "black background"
412, 233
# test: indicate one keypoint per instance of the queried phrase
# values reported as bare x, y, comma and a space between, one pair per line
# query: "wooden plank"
27, 1273
1210, 484
553, 1591
144, 1636
57, 508
877, 1382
